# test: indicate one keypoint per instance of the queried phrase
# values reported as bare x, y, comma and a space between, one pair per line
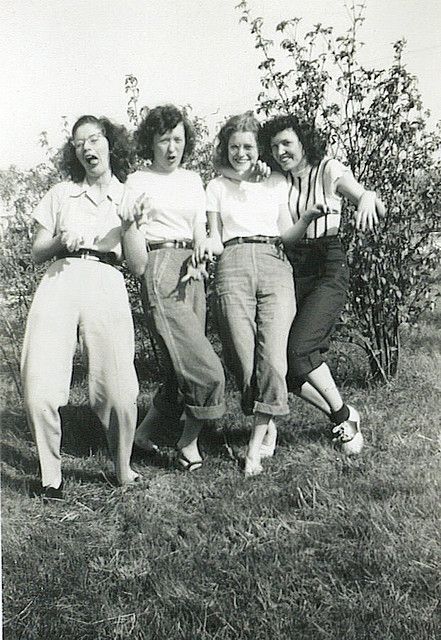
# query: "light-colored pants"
256, 306
88, 297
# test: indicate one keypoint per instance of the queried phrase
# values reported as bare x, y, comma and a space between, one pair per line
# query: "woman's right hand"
71, 239
206, 249
315, 212
135, 211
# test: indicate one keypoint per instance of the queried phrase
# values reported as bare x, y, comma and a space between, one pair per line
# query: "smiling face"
92, 150
168, 149
242, 151
287, 150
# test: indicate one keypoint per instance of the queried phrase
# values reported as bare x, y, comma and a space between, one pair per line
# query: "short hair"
158, 121
312, 139
120, 150
244, 122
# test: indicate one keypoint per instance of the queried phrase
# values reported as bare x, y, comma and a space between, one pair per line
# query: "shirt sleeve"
284, 221
127, 201
200, 214
334, 170
212, 196
48, 209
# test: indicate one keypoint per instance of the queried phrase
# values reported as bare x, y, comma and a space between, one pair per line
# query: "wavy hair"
244, 122
120, 150
312, 140
158, 121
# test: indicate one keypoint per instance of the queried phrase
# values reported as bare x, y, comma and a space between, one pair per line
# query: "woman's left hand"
369, 208
198, 272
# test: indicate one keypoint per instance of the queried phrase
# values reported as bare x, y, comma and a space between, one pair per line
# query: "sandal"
184, 464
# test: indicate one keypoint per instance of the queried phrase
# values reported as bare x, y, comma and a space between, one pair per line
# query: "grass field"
317, 547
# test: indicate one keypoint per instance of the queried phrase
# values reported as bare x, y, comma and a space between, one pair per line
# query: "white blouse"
248, 208
176, 203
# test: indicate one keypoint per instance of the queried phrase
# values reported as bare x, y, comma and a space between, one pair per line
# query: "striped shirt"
317, 185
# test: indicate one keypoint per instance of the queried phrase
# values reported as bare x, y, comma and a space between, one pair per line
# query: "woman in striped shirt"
320, 269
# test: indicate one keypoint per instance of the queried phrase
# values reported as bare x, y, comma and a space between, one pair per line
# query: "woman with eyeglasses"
82, 293
164, 214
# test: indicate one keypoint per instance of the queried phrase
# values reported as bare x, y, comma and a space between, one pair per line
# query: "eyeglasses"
93, 139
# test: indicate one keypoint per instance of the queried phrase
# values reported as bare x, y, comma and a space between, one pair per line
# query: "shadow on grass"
82, 436
30, 485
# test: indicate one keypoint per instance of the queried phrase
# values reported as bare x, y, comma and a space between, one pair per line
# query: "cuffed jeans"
90, 298
193, 374
256, 305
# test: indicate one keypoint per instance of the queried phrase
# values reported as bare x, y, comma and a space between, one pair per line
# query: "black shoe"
50, 493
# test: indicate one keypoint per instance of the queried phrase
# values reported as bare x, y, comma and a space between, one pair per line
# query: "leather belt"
170, 244
258, 239
307, 242
90, 254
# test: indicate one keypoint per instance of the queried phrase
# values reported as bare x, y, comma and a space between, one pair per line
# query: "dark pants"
321, 279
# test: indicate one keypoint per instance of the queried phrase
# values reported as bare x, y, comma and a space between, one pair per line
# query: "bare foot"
268, 445
131, 477
252, 466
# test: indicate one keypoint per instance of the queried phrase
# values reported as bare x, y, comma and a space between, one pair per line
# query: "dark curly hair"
158, 121
245, 122
120, 150
312, 140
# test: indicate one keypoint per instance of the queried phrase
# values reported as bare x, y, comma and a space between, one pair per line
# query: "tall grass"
317, 547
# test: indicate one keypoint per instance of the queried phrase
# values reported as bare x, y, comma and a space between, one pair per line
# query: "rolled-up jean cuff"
212, 412
271, 409
304, 364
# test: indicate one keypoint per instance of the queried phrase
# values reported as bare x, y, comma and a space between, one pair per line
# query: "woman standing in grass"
82, 293
254, 281
319, 263
164, 213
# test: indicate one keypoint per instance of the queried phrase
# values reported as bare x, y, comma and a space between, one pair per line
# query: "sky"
66, 58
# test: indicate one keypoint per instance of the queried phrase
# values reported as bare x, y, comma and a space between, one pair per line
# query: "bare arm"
260, 171
211, 246
135, 250
45, 246
298, 230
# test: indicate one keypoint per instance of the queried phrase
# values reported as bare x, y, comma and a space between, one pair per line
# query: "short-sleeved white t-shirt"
177, 203
71, 206
249, 209
317, 185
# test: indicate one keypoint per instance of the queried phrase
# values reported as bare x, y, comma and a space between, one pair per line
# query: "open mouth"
91, 159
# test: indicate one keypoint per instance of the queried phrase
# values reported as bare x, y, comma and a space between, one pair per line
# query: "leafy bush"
378, 127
